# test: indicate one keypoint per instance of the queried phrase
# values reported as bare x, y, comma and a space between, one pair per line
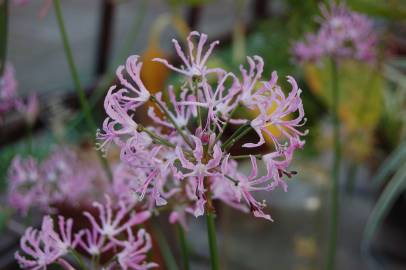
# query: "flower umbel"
342, 34
182, 160
48, 246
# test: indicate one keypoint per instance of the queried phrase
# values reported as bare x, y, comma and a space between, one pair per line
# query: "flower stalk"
211, 234
163, 245
240, 133
335, 192
3, 34
169, 117
226, 124
184, 249
72, 67
84, 104
79, 259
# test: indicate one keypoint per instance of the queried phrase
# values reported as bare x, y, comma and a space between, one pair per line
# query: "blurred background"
372, 229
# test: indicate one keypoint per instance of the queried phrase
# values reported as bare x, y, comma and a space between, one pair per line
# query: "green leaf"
395, 159
395, 187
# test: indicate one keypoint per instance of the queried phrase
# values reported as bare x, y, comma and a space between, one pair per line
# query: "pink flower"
47, 246
226, 190
277, 163
250, 95
120, 104
181, 157
62, 178
8, 89
133, 69
342, 34
30, 110
178, 215
126, 180
44, 247
181, 113
285, 107
194, 62
92, 241
114, 221
24, 184
41, 252
135, 251
246, 185
63, 240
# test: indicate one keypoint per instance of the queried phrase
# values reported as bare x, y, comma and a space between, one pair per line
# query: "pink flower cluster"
62, 178
342, 34
9, 99
8, 89
183, 159
112, 231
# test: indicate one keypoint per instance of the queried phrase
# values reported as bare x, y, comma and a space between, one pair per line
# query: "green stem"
211, 234
3, 34
156, 137
169, 117
334, 210
29, 139
75, 77
225, 125
74, 73
79, 259
231, 142
184, 249
237, 132
170, 262
199, 111
258, 156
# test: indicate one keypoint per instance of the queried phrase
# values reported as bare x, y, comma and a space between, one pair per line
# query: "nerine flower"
194, 60
43, 185
45, 246
24, 184
201, 166
112, 222
133, 255
63, 240
342, 34
183, 156
29, 109
285, 107
92, 241
8, 89
48, 246
41, 252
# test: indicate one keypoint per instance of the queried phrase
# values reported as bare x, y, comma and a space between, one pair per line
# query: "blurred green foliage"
188, 2
389, 9
361, 101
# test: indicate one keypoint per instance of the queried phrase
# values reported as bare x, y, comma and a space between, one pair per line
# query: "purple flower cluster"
342, 34
183, 159
10, 100
62, 178
112, 231
8, 89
